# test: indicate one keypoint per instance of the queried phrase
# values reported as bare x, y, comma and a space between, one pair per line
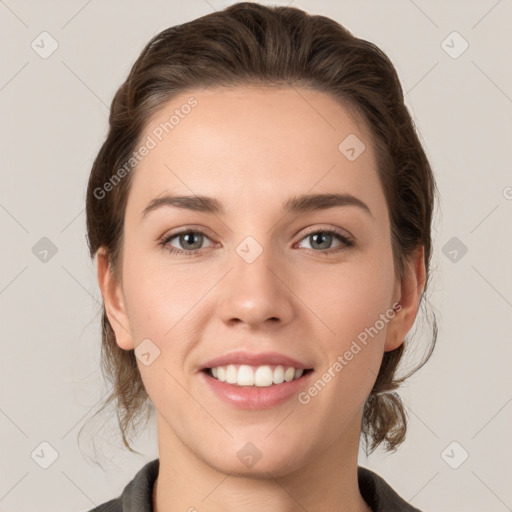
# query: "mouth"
249, 387
244, 375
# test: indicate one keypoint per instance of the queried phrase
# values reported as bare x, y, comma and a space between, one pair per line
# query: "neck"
328, 482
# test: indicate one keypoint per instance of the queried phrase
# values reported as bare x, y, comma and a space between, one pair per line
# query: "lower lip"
255, 397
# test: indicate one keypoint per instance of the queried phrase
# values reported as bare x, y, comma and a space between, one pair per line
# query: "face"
312, 283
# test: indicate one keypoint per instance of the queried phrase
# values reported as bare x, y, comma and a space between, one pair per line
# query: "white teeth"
245, 376
289, 374
278, 375
231, 374
261, 376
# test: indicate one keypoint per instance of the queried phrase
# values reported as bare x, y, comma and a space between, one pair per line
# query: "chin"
258, 460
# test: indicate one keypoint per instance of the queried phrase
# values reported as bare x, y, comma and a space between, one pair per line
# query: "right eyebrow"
196, 203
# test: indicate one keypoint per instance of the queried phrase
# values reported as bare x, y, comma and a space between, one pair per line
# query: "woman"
260, 213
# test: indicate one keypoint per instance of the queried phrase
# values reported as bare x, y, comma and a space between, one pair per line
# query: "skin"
252, 149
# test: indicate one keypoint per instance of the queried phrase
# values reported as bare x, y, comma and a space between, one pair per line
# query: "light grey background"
54, 117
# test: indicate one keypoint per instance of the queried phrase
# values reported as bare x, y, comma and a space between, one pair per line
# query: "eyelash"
347, 241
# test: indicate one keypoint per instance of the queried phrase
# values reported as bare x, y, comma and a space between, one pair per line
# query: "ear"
409, 290
113, 298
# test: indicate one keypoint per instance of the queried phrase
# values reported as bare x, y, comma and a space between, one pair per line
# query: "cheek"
160, 304
165, 305
350, 301
348, 298
161, 298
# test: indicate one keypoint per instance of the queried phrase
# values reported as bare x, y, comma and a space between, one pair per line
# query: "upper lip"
251, 359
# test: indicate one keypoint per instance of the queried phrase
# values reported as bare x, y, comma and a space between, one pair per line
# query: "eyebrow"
297, 204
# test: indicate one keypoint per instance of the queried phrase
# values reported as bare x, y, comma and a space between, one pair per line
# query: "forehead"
250, 144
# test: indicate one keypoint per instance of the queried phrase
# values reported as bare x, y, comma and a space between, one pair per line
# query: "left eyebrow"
312, 202
298, 204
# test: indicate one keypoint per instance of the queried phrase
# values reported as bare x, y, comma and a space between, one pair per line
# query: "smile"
259, 376
253, 396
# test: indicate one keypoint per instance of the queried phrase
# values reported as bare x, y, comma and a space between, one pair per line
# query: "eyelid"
186, 229
317, 228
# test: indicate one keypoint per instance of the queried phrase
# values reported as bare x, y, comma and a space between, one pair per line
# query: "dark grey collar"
137, 496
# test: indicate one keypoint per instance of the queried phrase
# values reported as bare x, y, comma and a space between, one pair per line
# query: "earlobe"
114, 301
410, 288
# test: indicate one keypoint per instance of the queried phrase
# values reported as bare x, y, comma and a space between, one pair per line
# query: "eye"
191, 240
321, 239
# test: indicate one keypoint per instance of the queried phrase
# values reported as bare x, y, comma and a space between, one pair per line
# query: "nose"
256, 294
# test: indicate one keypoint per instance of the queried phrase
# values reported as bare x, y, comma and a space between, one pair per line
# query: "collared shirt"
137, 496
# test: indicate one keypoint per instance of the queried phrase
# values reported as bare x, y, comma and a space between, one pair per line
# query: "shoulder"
379, 495
137, 496
109, 506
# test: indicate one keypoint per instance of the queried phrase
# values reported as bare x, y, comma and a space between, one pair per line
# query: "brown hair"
251, 44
